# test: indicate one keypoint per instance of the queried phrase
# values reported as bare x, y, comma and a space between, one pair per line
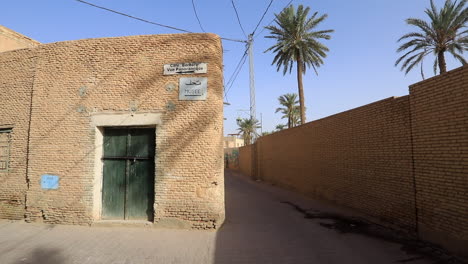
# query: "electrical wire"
147, 21
130, 16
196, 15
238, 19
237, 67
234, 75
263, 16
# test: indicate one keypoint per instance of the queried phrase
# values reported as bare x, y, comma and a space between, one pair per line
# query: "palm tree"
247, 127
290, 109
280, 127
297, 42
446, 32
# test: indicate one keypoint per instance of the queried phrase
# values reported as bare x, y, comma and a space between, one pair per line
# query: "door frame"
98, 122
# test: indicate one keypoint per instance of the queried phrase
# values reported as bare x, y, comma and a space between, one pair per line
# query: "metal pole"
252, 80
261, 124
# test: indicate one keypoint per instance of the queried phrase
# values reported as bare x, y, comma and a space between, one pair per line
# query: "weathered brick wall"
439, 112
16, 82
245, 160
401, 160
78, 79
359, 158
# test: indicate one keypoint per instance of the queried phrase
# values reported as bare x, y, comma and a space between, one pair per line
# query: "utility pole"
252, 80
261, 124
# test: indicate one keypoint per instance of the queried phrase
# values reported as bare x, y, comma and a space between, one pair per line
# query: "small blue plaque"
49, 182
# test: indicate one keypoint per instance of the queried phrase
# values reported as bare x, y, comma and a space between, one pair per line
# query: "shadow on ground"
43, 255
263, 226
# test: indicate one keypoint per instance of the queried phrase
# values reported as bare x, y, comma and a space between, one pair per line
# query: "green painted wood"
113, 189
141, 142
115, 142
128, 185
140, 194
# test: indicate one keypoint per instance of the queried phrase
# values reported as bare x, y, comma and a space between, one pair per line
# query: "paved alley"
260, 228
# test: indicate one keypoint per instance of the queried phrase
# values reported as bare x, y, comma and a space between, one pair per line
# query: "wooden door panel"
115, 142
141, 142
113, 189
140, 190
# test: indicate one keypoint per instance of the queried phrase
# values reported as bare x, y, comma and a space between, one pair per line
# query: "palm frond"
294, 34
445, 32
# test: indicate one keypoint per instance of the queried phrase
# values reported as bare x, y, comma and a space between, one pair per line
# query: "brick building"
117, 129
233, 142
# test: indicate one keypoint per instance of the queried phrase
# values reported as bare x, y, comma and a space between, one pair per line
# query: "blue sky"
358, 70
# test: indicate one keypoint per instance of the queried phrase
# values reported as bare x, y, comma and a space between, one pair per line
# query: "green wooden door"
128, 175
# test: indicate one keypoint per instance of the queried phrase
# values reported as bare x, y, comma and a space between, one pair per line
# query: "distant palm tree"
446, 32
290, 109
247, 128
297, 42
280, 127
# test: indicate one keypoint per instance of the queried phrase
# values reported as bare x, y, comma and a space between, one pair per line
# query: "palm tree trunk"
442, 64
289, 121
300, 88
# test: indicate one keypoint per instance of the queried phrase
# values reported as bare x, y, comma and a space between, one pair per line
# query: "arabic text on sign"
193, 88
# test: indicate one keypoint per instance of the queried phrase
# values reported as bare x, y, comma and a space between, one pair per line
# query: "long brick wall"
245, 160
360, 158
401, 161
439, 113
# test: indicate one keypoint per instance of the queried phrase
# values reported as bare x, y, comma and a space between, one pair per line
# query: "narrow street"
260, 228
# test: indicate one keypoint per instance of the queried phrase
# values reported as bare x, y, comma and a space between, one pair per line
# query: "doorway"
128, 173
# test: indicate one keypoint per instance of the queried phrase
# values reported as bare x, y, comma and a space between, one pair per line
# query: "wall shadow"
43, 255
253, 234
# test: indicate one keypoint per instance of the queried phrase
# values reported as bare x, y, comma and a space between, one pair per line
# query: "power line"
147, 21
263, 16
259, 33
137, 18
236, 70
238, 19
234, 75
196, 15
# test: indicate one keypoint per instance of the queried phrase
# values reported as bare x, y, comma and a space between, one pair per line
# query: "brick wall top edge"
393, 99
182, 36
438, 77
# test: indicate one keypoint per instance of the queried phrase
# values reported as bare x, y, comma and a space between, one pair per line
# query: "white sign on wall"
193, 88
185, 68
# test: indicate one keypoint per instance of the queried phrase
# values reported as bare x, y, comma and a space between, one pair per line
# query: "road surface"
260, 228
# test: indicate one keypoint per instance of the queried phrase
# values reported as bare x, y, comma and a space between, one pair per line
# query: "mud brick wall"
245, 160
439, 113
77, 80
360, 159
16, 82
401, 161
